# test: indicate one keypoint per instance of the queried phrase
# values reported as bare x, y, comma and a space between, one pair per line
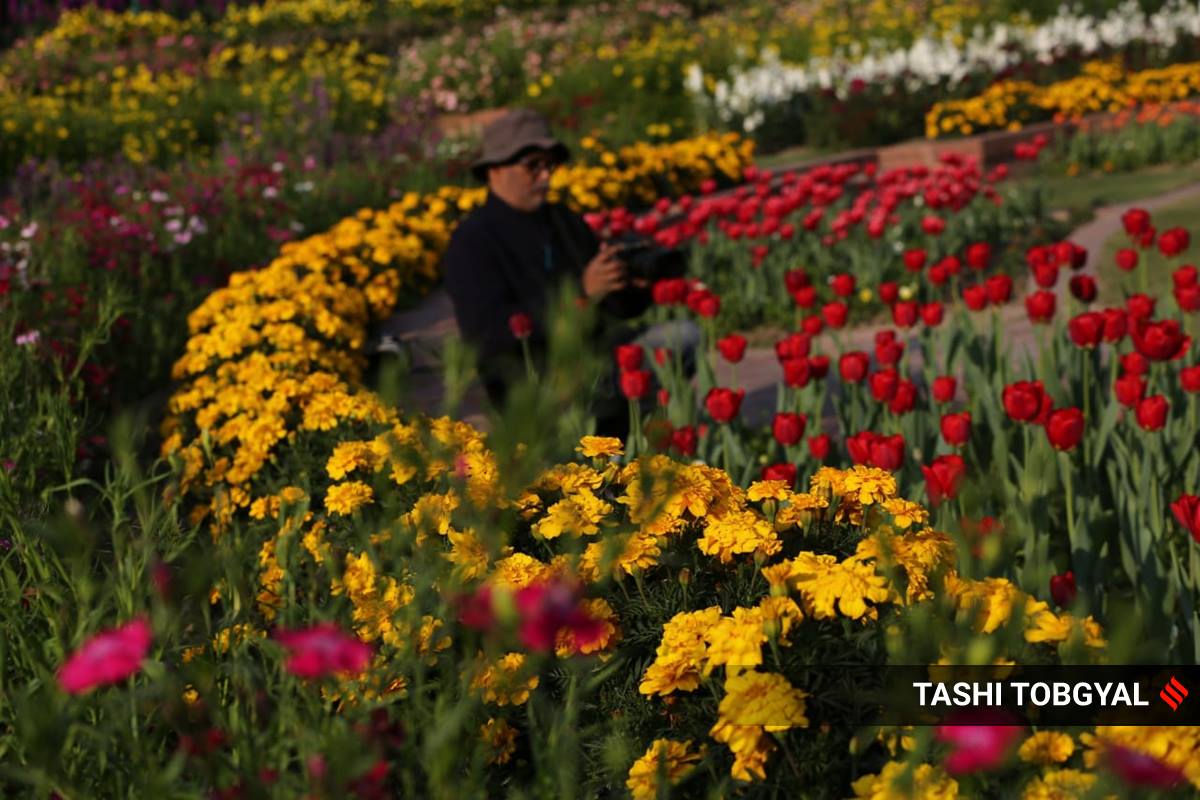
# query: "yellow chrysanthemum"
927, 782
346, 498
666, 758
600, 447
1047, 747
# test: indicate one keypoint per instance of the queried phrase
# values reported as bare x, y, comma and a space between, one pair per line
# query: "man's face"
524, 183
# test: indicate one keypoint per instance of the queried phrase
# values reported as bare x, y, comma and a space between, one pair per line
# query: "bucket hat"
517, 130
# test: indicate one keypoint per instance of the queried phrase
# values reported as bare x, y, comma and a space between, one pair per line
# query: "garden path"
423, 329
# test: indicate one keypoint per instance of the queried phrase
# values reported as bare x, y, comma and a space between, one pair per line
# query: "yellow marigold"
1047, 747
823, 583
681, 654
376, 600
501, 737
579, 513
1046, 626
468, 554
735, 641
799, 509
989, 601
869, 485
893, 782
920, 554
738, 533
600, 446
779, 615
756, 703
1060, 784
768, 490
906, 513
663, 759
346, 498
503, 683
347, 457
518, 571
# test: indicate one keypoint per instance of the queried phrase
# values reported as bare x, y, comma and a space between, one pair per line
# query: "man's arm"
625, 303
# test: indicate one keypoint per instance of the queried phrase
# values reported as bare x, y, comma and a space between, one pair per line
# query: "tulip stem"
1087, 400
1064, 463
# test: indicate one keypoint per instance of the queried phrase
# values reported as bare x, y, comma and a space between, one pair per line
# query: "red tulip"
670, 291
914, 259
1083, 288
1184, 276
951, 264
812, 325
780, 472
975, 297
1136, 221
932, 314
788, 428
732, 347
819, 366
1187, 510
979, 255
1023, 400
956, 428
938, 275
933, 225
904, 314
1040, 306
1116, 324
859, 446
704, 303
883, 384
944, 388
1189, 378
1127, 259
818, 446
1086, 329
521, 325
635, 383
835, 314
1152, 412
664, 398
943, 476
889, 291
797, 345
1062, 589
887, 452
904, 399
853, 366
1071, 254
843, 285
1140, 307
887, 349
805, 297
661, 355
629, 356
1129, 390
1158, 341
1045, 275
1134, 364
999, 289
1174, 241
723, 404
1065, 428
796, 372
795, 279
1188, 297
684, 441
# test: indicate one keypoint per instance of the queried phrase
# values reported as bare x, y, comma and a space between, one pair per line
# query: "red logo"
1173, 693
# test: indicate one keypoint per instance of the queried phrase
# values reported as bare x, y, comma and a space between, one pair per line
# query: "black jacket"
502, 261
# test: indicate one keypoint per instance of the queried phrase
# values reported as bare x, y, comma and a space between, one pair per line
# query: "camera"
645, 258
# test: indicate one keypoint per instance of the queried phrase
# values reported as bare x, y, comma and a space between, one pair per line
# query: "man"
513, 254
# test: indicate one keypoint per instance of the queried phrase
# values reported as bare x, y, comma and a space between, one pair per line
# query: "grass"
1080, 196
1153, 273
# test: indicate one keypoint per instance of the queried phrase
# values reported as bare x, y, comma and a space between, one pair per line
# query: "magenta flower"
1140, 769
547, 608
323, 650
977, 747
107, 657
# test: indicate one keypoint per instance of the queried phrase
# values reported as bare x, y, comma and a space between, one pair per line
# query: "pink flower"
1141, 769
550, 606
107, 657
977, 746
323, 650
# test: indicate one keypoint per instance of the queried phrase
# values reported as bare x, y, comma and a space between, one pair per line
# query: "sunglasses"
534, 165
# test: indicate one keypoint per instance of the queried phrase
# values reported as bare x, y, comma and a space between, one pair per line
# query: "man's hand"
605, 273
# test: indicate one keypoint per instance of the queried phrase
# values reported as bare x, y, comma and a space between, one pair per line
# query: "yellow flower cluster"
669, 759
1102, 86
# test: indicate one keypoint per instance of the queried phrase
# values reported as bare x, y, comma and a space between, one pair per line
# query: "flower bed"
1102, 86
883, 95
1150, 134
